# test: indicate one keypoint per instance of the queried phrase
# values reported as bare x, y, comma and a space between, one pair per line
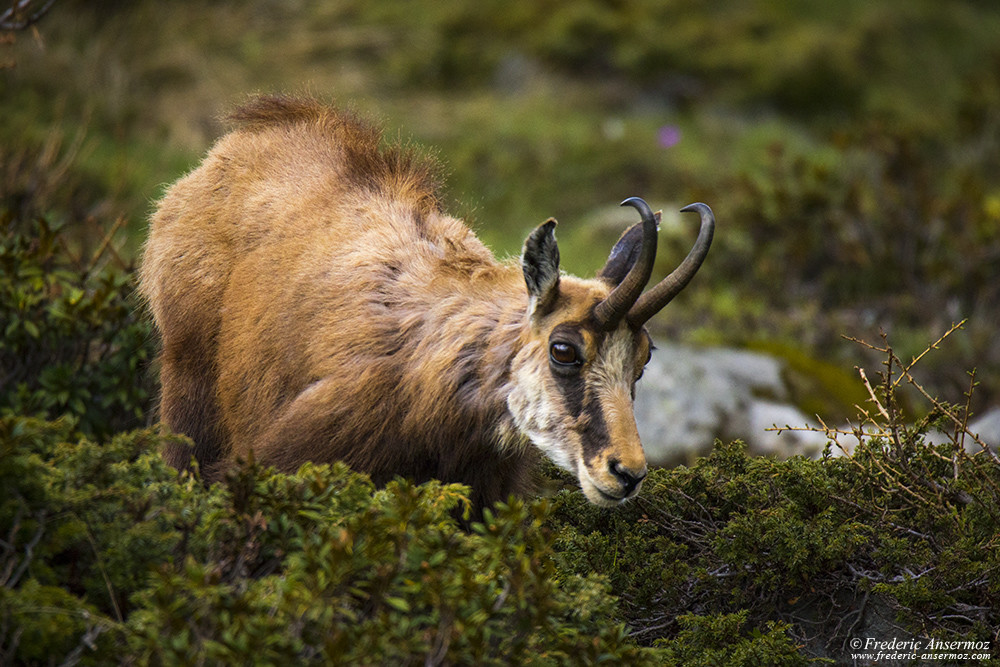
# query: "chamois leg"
188, 405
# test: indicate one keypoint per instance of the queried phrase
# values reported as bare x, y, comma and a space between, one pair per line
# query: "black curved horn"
655, 299
610, 312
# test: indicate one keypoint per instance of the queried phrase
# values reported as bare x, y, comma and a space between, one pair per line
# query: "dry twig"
21, 15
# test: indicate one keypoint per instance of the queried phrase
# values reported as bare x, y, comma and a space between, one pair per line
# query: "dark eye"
564, 354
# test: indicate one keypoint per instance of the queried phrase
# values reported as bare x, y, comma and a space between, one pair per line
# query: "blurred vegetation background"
851, 151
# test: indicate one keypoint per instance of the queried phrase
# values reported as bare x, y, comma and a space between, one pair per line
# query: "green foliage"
854, 207
804, 58
110, 555
82, 525
720, 640
792, 542
71, 339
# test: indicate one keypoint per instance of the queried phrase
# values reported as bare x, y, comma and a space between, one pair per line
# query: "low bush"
885, 543
109, 556
71, 338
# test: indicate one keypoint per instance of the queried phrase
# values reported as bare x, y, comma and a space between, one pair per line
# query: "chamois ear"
624, 254
540, 264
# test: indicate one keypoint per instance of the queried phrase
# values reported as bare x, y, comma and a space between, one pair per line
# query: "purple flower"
669, 136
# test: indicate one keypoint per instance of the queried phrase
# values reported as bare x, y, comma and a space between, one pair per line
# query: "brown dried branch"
21, 15
932, 346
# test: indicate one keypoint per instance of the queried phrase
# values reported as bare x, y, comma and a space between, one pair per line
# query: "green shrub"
806, 60
71, 338
109, 555
113, 557
721, 640
896, 539
797, 544
82, 524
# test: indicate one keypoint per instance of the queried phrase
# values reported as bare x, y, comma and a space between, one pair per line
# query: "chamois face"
574, 387
574, 380
574, 377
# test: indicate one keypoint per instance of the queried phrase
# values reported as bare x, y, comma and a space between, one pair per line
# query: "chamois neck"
480, 327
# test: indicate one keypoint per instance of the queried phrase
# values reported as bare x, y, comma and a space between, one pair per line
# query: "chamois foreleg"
188, 405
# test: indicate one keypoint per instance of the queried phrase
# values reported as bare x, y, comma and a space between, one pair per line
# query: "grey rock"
761, 436
690, 396
987, 428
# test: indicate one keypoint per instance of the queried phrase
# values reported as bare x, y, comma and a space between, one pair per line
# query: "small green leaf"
398, 604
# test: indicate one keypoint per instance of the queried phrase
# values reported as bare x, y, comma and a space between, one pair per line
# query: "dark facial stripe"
581, 404
594, 436
586, 409
573, 391
571, 386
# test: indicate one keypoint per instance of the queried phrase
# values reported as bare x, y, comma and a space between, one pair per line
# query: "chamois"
315, 303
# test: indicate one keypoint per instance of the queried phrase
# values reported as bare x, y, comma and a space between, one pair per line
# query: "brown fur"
316, 304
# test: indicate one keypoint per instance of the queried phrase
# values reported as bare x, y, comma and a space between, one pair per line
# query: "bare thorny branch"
887, 424
903, 473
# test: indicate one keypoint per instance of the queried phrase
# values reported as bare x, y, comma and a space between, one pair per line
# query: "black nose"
629, 478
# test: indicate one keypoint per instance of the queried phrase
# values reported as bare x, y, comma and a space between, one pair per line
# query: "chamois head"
574, 378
